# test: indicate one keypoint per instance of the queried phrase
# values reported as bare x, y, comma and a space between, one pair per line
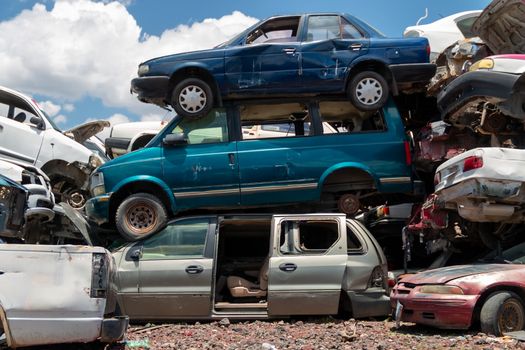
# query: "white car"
27, 134
129, 137
445, 31
57, 294
484, 184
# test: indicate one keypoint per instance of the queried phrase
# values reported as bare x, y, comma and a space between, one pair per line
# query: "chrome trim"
395, 180
206, 193
17, 156
306, 186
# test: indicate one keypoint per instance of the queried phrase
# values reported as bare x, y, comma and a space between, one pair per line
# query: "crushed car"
61, 155
289, 55
253, 266
57, 294
207, 162
488, 294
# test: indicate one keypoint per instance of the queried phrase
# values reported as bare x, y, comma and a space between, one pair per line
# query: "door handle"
289, 51
356, 47
231, 158
194, 269
288, 267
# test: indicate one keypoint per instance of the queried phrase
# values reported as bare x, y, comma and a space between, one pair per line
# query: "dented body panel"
46, 294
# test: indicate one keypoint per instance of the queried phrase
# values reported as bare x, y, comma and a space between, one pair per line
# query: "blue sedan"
310, 54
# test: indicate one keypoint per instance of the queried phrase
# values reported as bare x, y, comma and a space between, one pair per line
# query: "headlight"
439, 289
95, 161
486, 63
96, 184
143, 69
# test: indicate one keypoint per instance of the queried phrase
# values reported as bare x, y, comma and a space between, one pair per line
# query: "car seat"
241, 288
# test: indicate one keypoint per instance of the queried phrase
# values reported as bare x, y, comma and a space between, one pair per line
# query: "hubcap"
368, 91
511, 318
141, 218
75, 198
192, 99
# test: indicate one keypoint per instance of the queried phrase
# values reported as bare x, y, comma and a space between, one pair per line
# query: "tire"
140, 215
349, 204
502, 312
368, 91
192, 98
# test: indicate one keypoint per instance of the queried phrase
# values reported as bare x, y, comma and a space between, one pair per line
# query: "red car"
459, 297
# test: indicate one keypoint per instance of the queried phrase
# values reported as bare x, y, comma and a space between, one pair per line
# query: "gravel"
318, 334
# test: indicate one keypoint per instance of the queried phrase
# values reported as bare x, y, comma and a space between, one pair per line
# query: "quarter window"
181, 240
323, 28
212, 128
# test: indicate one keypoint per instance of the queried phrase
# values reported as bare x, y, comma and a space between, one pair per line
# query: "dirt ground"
325, 333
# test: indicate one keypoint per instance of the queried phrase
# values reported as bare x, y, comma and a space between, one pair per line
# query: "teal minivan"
322, 154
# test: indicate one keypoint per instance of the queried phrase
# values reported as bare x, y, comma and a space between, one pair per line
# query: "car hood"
187, 56
84, 131
447, 274
501, 25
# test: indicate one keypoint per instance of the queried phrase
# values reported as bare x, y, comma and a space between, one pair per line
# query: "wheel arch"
344, 169
374, 64
196, 70
137, 184
485, 294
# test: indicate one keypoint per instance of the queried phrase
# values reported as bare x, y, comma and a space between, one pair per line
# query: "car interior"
276, 30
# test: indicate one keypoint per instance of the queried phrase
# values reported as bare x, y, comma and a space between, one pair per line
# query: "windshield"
53, 125
514, 255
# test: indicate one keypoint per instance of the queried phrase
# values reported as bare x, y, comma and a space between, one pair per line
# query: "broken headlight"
95, 161
143, 69
486, 63
96, 184
99, 277
440, 289
5, 192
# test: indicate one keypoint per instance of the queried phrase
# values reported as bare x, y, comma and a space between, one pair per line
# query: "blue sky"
147, 27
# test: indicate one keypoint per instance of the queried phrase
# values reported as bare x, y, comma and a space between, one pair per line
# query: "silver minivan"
253, 266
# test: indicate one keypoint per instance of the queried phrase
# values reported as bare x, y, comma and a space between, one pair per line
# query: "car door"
331, 44
307, 264
203, 171
175, 272
15, 125
268, 61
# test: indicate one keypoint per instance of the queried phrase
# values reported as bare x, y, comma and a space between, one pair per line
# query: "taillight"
378, 278
386, 210
408, 154
99, 277
472, 162
437, 178
391, 279
428, 50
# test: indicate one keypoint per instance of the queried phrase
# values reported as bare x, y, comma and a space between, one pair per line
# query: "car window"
353, 242
323, 28
465, 26
212, 128
180, 240
276, 30
349, 31
343, 117
16, 112
308, 236
275, 121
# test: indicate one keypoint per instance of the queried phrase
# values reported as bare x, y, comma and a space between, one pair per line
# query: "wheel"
140, 215
502, 312
66, 190
368, 91
192, 97
349, 204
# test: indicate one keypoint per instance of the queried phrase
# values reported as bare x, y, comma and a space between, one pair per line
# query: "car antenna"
424, 17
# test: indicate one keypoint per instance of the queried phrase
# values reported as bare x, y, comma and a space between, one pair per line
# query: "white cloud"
84, 47
60, 119
68, 107
50, 108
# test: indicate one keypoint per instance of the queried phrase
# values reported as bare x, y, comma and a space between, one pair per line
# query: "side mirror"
38, 122
136, 254
175, 139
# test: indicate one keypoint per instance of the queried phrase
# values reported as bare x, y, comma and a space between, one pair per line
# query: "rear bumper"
491, 86
113, 329
150, 89
441, 311
412, 72
369, 303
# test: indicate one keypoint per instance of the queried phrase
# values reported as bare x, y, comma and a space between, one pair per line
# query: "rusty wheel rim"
511, 317
141, 218
349, 204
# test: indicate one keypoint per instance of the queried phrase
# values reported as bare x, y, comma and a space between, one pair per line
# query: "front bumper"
113, 329
97, 209
491, 86
412, 72
372, 302
151, 88
437, 310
